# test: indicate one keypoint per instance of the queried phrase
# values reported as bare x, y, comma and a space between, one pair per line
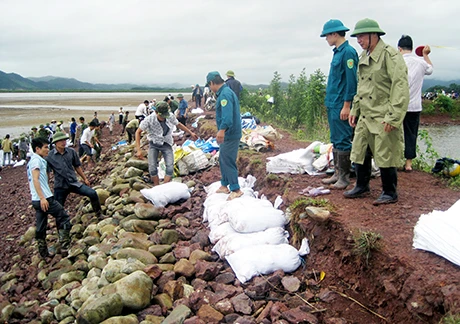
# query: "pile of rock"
149, 265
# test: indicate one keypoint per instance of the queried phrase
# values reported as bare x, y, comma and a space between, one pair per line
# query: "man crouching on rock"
43, 201
159, 127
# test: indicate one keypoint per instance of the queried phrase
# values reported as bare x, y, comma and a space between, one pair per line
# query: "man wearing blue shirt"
228, 136
341, 88
183, 106
43, 201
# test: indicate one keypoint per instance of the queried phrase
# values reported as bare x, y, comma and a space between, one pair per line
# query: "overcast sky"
152, 41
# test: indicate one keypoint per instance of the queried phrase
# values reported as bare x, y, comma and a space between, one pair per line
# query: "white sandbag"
247, 183
235, 242
213, 206
439, 232
264, 259
167, 193
19, 163
220, 231
248, 215
295, 162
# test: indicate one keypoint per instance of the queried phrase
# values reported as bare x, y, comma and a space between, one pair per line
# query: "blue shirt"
228, 113
182, 107
342, 80
37, 162
73, 128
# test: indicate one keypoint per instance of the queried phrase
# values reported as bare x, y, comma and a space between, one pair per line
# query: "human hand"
344, 113
44, 204
193, 135
426, 50
352, 121
387, 127
86, 181
220, 136
140, 155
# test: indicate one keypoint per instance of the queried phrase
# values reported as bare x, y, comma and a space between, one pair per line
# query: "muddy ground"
398, 285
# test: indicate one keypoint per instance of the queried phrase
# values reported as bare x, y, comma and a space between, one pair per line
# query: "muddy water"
445, 139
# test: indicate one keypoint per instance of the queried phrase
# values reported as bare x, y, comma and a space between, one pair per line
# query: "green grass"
450, 319
365, 243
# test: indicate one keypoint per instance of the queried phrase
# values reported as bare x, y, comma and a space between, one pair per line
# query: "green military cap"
163, 109
211, 75
367, 26
59, 136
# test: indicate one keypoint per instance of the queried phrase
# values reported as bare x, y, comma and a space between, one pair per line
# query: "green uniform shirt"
382, 96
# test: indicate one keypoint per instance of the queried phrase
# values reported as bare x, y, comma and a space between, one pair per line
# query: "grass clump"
450, 319
365, 243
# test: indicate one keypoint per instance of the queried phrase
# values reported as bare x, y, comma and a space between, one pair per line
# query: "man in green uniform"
341, 88
228, 136
378, 111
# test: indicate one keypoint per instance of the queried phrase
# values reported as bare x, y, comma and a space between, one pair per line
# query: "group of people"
373, 104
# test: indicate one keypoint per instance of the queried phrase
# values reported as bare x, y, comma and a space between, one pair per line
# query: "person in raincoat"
341, 88
378, 112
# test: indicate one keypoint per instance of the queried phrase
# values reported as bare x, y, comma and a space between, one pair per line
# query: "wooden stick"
357, 302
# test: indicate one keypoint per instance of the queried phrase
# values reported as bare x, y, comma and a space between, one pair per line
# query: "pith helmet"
366, 26
333, 26
59, 136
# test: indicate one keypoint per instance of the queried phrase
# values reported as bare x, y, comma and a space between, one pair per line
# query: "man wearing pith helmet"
378, 112
341, 88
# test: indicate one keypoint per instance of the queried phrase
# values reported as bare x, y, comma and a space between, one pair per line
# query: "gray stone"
318, 214
182, 221
168, 258
62, 311
103, 195
178, 315
160, 249
199, 255
169, 236
291, 283
120, 187
72, 276
137, 225
144, 256
242, 304
148, 211
134, 290
164, 300
133, 172
95, 310
130, 319
28, 236
139, 164
46, 316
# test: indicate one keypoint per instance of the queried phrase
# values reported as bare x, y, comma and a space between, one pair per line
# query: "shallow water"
445, 140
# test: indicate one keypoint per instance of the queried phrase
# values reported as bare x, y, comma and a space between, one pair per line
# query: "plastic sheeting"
439, 232
295, 162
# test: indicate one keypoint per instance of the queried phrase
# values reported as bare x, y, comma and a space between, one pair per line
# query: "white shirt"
141, 110
417, 68
87, 136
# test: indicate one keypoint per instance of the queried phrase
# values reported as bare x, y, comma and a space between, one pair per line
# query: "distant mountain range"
15, 82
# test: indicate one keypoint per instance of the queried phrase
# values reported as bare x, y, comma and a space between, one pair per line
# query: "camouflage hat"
163, 109
59, 136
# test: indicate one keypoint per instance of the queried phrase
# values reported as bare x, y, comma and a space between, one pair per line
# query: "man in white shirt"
417, 68
142, 110
85, 141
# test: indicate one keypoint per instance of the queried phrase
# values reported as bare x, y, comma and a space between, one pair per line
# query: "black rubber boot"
389, 194
64, 240
42, 248
335, 176
363, 177
344, 170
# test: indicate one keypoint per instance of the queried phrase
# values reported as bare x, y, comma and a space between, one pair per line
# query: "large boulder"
95, 310
148, 211
137, 225
178, 315
133, 172
142, 255
103, 195
130, 319
138, 164
134, 290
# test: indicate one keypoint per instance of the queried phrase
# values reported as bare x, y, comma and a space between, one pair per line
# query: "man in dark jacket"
233, 83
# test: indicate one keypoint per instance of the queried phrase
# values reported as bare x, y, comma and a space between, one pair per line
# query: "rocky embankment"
141, 264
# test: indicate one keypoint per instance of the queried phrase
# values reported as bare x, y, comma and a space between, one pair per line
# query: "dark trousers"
62, 193
228, 153
72, 138
120, 119
198, 101
182, 120
56, 210
131, 134
411, 123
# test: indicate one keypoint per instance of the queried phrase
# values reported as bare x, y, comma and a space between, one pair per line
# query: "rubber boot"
64, 240
389, 194
42, 248
344, 170
335, 176
363, 177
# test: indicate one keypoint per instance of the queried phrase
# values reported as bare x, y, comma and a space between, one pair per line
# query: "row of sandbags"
249, 232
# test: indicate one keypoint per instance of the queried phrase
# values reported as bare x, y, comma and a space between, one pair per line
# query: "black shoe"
42, 248
357, 192
386, 199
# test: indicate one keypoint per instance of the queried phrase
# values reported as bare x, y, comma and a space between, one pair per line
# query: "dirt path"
400, 284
